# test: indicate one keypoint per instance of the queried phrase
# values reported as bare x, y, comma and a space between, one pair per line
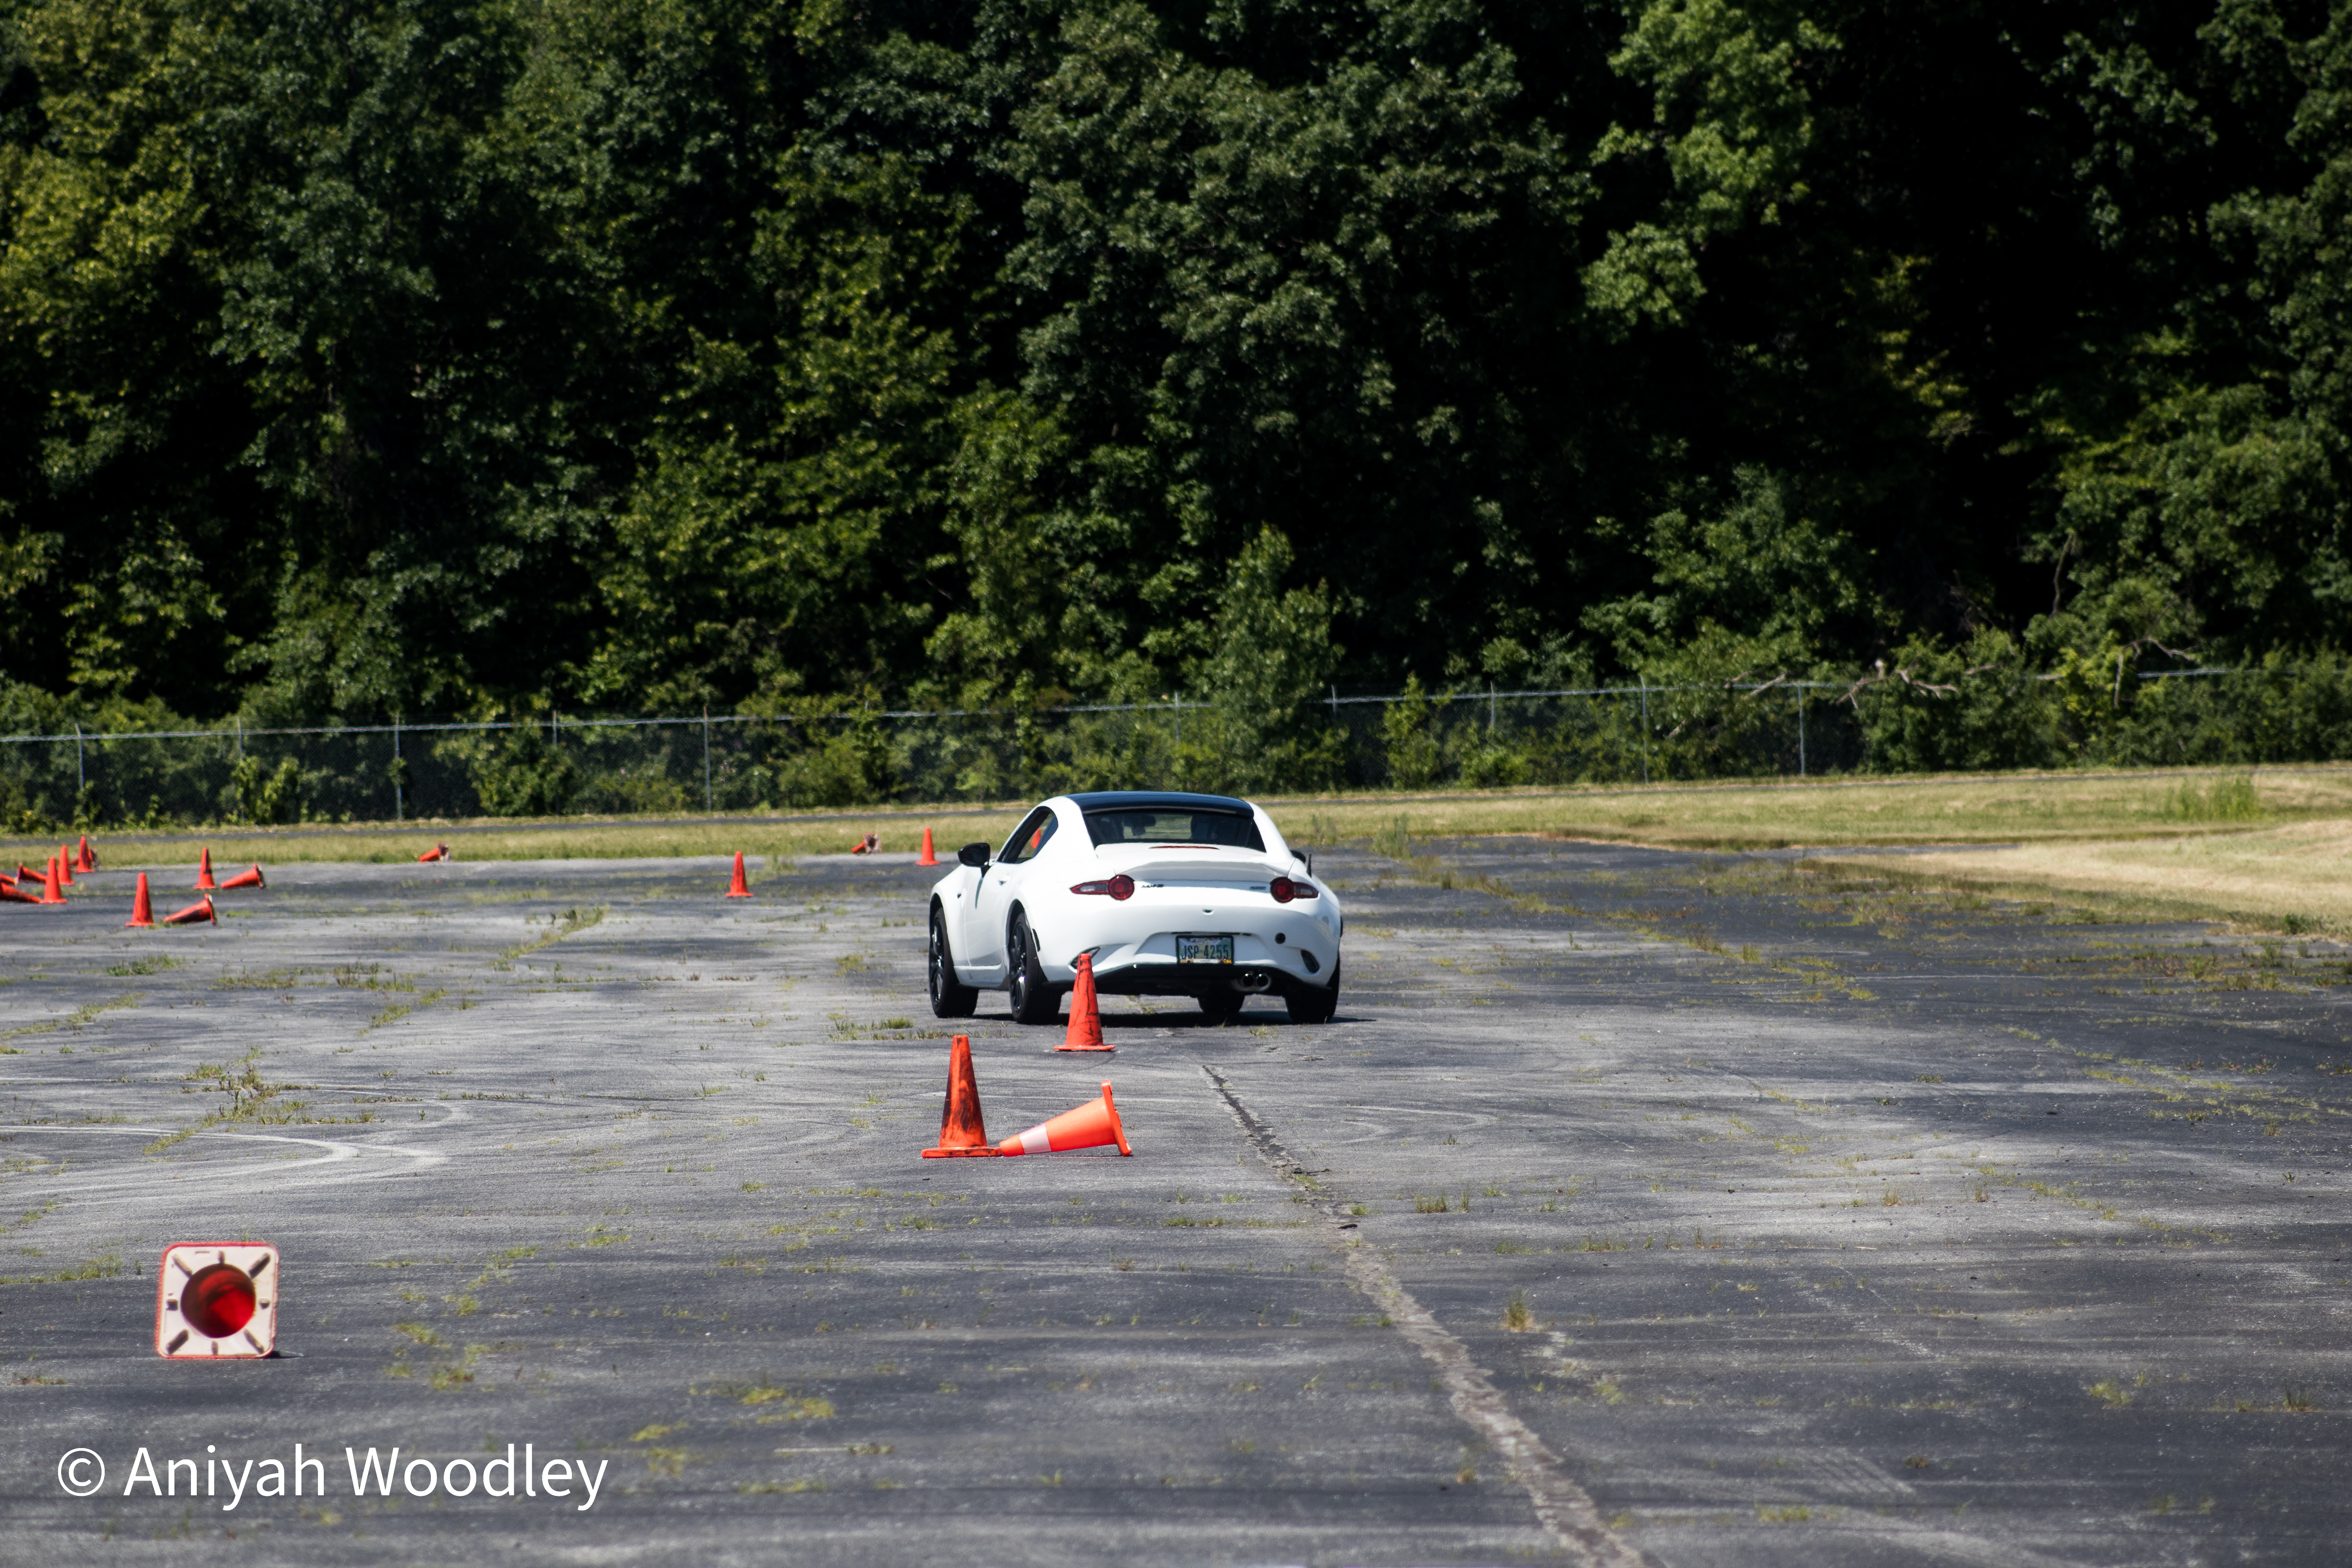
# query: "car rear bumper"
1150, 979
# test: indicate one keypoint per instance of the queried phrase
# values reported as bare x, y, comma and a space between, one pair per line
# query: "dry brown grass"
2296, 877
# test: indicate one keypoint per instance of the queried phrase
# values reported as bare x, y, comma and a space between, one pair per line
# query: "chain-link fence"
572, 765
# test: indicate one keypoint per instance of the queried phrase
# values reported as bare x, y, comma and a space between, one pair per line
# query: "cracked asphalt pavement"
1637, 1207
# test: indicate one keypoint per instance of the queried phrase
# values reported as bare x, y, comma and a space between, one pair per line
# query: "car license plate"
1204, 950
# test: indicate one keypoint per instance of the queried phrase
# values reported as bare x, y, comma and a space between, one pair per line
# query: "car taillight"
1121, 887
1284, 890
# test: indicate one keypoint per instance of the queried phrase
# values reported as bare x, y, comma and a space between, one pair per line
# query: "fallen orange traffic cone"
1090, 1126
205, 883
961, 1134
24, 874
1085, 1018
438, 852
142, 913
88, 860
252, 878
201, 911
739, 889
52, 887
928, 857
867, 846
11, 894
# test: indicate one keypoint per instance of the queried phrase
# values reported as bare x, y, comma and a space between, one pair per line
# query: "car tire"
1034, 1000
1316, 1005
950, 997
1222, 1004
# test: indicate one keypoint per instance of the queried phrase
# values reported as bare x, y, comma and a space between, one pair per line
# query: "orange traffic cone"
961, 1134
88, 860
9, 895
202, 909
142, 913
868, 844
65, 866
1085, 1018
738, 887
438, 852
25, 875
52, 888
252, 878
205, 883
929, 857
1090, 1126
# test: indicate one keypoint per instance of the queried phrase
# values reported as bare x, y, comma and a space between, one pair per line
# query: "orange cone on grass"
928, 857
88, 860
52, 887
205, 883
142, 912
250, 878
438, 852
199, 912
868, 844
962, 1135
1091, 1126
1086, 1017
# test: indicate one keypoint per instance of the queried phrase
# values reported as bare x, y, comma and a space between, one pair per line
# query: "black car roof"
1116, 799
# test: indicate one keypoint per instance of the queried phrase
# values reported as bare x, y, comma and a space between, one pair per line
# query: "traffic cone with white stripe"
198, 913
1090, 1126
205, 883
1086, 1017
962, 1135
738, 887
216, 1300
142, 911
252, 878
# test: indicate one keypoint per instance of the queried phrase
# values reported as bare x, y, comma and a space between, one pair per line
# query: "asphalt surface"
1637, 1207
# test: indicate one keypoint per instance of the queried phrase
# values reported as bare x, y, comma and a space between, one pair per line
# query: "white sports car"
1173, 895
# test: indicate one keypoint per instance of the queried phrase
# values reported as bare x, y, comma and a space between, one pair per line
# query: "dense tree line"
362, 357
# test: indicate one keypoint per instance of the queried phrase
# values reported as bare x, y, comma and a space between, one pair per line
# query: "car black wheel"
950, 998
1034, 1001
1316, 1005
1222, 1004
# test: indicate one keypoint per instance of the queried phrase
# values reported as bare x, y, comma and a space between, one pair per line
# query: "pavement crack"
1562, 1507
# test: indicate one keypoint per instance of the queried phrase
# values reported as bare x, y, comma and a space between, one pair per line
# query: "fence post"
81, 782
706, 756
397, 811
1645, 679
1490, 707
1801, 730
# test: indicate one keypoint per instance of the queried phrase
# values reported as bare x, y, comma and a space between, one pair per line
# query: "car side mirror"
974, 855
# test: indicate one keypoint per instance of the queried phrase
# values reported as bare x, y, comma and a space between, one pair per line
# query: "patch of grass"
155, 965
569, 923
1519, 1317
109, 1267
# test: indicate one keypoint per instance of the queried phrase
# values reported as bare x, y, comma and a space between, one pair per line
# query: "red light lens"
1122, 886
1283, 891
218, 1301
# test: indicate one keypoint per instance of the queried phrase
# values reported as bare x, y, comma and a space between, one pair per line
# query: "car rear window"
1174, 825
